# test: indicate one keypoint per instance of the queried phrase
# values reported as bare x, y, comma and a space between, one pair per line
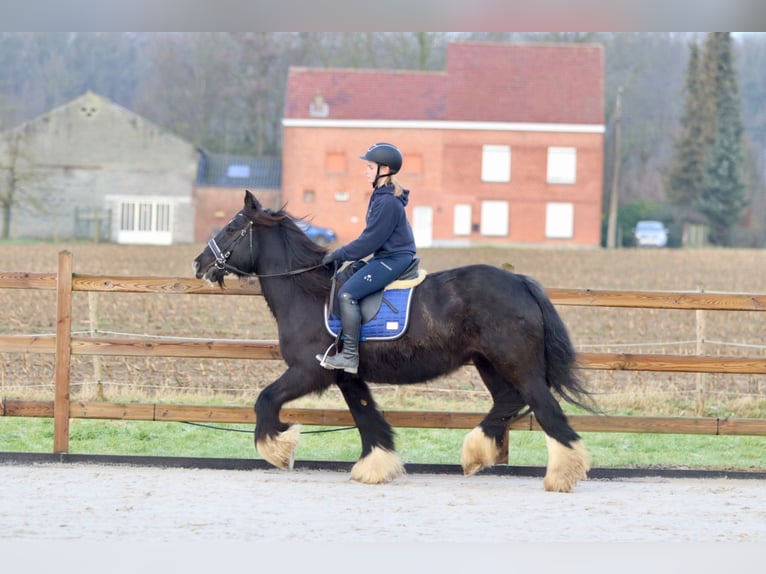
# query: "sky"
388, 15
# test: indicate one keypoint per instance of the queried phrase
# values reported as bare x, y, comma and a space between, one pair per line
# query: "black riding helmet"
384, 154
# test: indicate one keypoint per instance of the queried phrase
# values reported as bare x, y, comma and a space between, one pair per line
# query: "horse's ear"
251, 201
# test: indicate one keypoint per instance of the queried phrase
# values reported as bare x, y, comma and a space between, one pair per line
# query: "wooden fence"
65, 344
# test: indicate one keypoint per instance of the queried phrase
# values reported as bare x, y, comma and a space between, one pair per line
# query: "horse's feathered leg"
568, 461
379, 461
276, 441
482, 445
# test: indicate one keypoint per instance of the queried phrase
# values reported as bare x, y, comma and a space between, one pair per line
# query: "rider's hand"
328, 259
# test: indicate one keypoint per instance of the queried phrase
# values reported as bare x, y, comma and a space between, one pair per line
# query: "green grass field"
527, 448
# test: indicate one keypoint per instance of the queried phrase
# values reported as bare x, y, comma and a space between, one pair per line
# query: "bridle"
222, 255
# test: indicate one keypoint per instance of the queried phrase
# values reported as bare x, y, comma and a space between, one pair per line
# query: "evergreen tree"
687, 168
712, 79
722, 195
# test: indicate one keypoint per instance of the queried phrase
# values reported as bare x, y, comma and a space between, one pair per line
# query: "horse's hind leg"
568, 461
379, 461
482, 445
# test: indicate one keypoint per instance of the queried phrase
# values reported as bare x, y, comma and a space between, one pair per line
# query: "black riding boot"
351, 325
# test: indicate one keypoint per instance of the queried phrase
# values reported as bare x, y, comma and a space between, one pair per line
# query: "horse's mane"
300, 251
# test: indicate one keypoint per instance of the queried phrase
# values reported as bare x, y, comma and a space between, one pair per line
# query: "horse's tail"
561, 369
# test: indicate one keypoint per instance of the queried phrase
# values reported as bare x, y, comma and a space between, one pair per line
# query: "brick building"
504, 146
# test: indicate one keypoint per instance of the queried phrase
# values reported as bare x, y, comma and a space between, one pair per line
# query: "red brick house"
504, 146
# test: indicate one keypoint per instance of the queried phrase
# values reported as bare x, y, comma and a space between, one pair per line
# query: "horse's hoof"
566, 466
379, 466
279, 449
479, 452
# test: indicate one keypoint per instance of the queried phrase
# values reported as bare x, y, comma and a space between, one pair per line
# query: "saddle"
385, 313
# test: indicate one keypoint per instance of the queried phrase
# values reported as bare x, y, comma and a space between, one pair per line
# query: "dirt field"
82, 502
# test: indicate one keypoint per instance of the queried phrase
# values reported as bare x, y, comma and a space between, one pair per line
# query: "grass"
611, 450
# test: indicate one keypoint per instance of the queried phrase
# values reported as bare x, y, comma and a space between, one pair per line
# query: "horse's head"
265, 243
232, 250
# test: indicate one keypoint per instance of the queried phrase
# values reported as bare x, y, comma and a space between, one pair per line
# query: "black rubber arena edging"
454, 469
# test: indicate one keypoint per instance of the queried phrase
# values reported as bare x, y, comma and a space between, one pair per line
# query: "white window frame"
496, 163
562, 165
494, 218
461, 224
559, 220
145, 221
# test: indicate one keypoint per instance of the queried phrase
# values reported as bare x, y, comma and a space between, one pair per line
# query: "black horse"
504, 323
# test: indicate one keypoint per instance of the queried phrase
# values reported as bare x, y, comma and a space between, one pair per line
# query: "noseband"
222, 255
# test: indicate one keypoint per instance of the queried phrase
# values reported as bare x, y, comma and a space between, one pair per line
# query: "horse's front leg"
276, 441
379, 461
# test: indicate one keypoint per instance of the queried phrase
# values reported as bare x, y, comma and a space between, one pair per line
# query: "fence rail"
65, 344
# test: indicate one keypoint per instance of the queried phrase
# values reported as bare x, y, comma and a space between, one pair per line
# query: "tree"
688, 164
189, 86
722, 196
17, 180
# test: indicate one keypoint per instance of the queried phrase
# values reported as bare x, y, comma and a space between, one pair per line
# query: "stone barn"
91, 169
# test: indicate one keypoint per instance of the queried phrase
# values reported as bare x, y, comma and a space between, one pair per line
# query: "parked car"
650, 233
321, 235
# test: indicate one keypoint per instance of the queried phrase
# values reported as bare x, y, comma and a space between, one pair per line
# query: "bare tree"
17, 181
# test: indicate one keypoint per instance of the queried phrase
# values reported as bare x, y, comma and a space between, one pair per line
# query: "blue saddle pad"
387, 323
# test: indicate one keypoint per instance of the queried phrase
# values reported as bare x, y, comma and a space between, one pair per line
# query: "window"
559, 221
462, 223
562, 165
335, 162
318, 107
238, 171
496, 163
162, 217
413, 164
146, 221
494, 218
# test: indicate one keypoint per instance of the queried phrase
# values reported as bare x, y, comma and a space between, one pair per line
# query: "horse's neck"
287, 299
284, 298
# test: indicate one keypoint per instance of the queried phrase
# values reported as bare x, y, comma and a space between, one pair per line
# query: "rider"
387, 236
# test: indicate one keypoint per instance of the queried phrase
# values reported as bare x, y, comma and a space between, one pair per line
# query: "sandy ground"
95, 502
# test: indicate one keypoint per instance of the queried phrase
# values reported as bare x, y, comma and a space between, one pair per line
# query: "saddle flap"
370, 305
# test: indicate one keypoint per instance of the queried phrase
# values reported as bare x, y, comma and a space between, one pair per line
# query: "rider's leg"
371, 278
351, 325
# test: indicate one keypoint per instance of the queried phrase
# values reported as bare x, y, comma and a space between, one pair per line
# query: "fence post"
63, 353
93, 320
700, 316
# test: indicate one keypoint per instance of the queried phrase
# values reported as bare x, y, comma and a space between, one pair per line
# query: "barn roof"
525, 83
90, 103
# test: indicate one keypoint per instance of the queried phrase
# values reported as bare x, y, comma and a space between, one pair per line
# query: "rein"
221, 257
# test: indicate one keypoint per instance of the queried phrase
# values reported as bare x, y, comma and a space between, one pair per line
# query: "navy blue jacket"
387, 231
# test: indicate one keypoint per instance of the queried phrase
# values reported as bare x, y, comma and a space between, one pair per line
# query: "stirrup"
323, 358
324, 362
